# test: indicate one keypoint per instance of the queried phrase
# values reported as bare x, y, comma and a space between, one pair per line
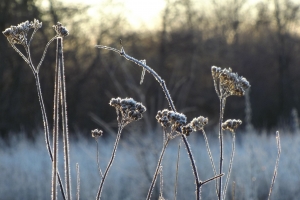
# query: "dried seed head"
60, 30
163, 119
167, 118
198, 123
129, 108
97, 133
187, 129
18, 34
231, 124
229, 83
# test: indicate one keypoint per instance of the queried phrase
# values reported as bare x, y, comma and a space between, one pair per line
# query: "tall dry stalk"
18, 35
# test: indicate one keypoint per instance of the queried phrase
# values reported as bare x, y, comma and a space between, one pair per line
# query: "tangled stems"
18, 35
170, 101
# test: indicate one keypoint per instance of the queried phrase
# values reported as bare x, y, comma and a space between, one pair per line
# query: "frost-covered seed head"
229, 83
18, 34
231, 124
129, 108
163, 119
167, 118
97, 133
198, 123
60, 30
187, 129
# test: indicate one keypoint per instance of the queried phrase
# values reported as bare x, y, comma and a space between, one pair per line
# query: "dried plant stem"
169, 99
194, 167
177, 170
222, 106
98, 163
62, 86
78, 181
55, 127
46, 127
276, 165
230, 165
157, 170
121, 126
210, 157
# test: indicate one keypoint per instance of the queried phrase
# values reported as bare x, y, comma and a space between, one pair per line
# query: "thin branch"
157, 168
211, 179
44, 53
230, 165
170, 101
276, 165
121, 126
177, 170
78, 181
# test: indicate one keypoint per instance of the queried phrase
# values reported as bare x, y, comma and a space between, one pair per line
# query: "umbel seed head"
228, 83
231, 124
169, 118
129, 108
18, 34
60, 30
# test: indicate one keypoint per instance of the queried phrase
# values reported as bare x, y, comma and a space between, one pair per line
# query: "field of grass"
25, 167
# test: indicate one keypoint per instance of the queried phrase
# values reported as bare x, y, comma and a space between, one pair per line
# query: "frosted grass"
25, 169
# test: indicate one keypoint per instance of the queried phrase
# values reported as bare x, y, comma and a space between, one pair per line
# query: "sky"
138, 12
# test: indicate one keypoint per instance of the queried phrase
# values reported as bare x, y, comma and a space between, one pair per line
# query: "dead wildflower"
97, 133
195, 125
231, 124
18, 34
130, 109
187, 129
228, 83
163, 119
169, 118
60, 30
198, 123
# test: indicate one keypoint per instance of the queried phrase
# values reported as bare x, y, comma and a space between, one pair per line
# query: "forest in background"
259, 42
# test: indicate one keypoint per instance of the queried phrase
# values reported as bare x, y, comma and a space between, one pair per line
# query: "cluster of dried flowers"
231, 124
228, 83
130, 109
169, 118
195, 125
18, 34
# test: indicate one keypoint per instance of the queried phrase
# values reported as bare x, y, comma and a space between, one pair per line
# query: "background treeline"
259, 41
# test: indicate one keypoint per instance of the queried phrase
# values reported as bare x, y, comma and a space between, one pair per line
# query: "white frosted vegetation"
25, 168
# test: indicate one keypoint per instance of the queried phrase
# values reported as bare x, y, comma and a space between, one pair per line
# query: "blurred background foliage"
260, 42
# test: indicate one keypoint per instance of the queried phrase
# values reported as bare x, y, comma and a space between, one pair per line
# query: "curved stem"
170, 101
121, 126
157, 169
44, 53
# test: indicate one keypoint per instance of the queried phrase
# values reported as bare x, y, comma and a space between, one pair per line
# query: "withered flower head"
198, 123
231, 124
228, 83
96, 133
60, 30
169, 118
129, 108
18, 34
